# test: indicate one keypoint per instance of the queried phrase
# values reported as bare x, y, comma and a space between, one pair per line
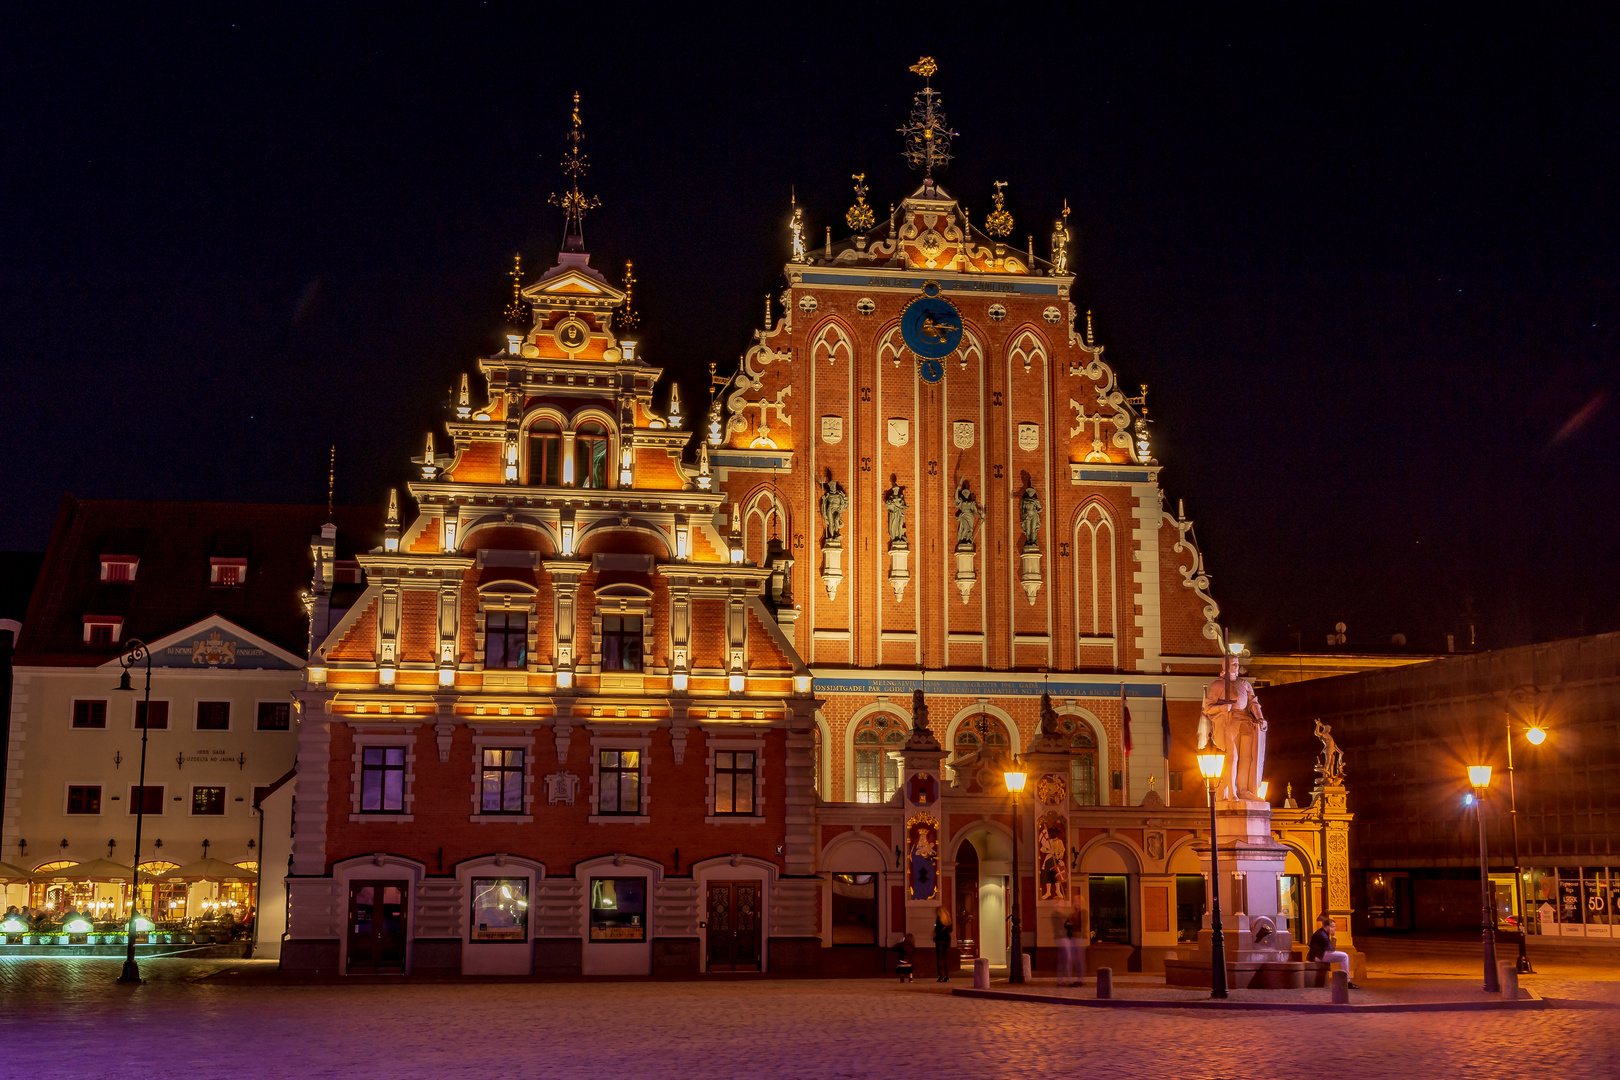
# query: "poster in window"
1596, 898
1052, 856
618, 909
922, 857
500, 909
1569, 901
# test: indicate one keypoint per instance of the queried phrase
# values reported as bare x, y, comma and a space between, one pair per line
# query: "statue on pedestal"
1029, 514
834, 501
968, 514
895, 501
1330, 766
1233, 722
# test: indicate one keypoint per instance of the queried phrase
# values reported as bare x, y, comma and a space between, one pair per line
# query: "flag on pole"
1164, 720
1125, 713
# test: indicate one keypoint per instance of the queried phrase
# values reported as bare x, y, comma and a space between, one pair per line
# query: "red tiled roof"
171, 590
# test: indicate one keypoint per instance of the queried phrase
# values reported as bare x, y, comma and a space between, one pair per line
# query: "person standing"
942, 943
1325, 948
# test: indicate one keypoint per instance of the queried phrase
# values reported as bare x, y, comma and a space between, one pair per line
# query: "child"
905, 950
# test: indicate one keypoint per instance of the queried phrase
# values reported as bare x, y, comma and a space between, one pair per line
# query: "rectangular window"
1175, 781
734, 782
506, 642
500, 909
621, 643
619, 909
619, 782
1117, 780
152, 715
101, 633
213, 716
382, 779
146, 800
89, 714
116, 571
275, 715
208, 801
503, 782
84, 799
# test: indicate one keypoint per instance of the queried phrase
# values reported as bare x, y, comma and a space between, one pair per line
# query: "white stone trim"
756, 746
483, 741
364, 740
628, 741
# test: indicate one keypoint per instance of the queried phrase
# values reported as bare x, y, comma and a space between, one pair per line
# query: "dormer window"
119, 567
103, 629
227, 572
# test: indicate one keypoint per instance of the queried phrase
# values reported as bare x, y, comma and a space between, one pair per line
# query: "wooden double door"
377, 927
735, 920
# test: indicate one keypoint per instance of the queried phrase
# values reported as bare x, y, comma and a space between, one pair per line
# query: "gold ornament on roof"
999, 223
1060, 243
628, 317
860, 215
517, 311
796, 225
573, 202
928, 139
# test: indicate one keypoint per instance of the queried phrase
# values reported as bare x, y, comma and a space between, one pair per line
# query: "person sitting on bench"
1323, 948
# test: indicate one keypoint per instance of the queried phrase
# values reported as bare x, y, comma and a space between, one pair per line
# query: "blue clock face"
931, 327
932, 370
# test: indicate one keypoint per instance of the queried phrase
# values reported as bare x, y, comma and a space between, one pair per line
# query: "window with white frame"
382, 779
501, 780
735, 779
618, 780
877, 773
506, 639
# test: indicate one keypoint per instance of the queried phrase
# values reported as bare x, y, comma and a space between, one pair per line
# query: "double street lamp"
1480, 777
1015, 779
134, 653
1211, 765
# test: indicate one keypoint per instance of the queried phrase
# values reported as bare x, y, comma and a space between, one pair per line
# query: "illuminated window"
382, 779
503, 782
1083, 767
621, 643
590, 455
619, 782
208, 801
545, 454
877, 775
734, 782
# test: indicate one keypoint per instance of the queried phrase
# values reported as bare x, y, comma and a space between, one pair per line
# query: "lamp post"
1015, 783
1480, 777
1536, 735
134, 653
1211, 765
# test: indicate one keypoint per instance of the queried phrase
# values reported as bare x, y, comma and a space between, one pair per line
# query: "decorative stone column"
1029, 571
899, 575
924, 888
1049, 802
832, 565
966, 574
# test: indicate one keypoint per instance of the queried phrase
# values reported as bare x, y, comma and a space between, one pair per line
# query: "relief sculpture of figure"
834, 502
896, 503
967, 515
1029, 513
1232, 721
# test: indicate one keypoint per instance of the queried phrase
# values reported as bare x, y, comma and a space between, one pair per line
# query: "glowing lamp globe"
1210, 765
1015, 780
1536, 735
1479, 775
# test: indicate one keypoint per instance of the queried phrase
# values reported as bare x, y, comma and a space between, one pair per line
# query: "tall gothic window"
545, 454
590, 455
877, 775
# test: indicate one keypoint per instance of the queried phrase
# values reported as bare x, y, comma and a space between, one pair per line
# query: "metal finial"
517, 311
573, 202
860, 215
331, 479
629, 319
999, 223
928, 139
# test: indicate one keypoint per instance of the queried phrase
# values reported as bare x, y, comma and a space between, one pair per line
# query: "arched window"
982, 753
877, 775
591, 455
1083, 765
545, 453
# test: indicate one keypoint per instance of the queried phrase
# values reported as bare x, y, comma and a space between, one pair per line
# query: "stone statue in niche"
1330, 766
895, 502
968, 514
1232, 721
1029, 514
834, 501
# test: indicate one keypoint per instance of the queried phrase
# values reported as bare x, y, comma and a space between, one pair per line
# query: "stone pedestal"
899, 576
1250, 863
832, 566
1029, 571
966, 575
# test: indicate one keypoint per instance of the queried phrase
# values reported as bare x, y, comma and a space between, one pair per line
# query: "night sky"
1368, 261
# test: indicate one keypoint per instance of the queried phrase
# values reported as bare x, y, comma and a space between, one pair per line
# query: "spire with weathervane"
928, 138
573, 202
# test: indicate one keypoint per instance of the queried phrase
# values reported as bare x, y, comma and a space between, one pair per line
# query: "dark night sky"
1366, 259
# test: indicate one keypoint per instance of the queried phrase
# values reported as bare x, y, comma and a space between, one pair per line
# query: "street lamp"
1535, 734
1480, 777
1015, 783
134, 653
1211, 765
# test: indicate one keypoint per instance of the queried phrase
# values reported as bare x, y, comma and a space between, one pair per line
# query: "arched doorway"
983, 876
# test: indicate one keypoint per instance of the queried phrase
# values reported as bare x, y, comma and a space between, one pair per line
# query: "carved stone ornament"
1029, 436
832, 429
561, 788
962, 434
899, 431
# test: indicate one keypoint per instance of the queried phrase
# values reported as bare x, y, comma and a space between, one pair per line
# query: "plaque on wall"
832, 429
1029, 436
899, 431
962, 434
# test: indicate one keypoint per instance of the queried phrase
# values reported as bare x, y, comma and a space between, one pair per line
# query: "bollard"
1105, 982
981, 973
1508, 976
1029, 967
1341, 986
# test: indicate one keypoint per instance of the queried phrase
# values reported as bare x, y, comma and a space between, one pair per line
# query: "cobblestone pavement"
201, 1019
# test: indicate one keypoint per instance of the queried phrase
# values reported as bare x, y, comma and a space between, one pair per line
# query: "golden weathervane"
999, 223
928, 139
860, 215
573, 202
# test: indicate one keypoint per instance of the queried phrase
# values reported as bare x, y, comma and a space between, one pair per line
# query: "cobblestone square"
201, 1020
